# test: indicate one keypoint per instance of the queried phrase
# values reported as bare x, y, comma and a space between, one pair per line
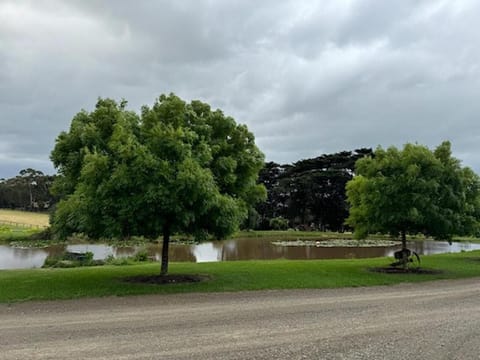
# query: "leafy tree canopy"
310, 191
177, 167
414, 190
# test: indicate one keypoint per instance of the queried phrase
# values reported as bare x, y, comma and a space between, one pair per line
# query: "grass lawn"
10, 233
50, 284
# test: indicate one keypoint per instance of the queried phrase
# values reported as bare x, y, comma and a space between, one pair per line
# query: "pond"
227, 250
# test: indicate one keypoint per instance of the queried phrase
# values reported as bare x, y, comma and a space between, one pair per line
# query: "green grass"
50, 284
470, 239
9, 233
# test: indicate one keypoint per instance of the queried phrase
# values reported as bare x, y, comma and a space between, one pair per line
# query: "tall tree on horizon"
310, 190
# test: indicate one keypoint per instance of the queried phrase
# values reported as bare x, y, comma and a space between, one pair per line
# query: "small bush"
97, 262
141, 256
51, 261
111, 260
66, 264
278, 223
70, 259
45, 234
79, 238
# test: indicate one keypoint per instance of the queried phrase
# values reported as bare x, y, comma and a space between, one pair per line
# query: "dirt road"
437, 320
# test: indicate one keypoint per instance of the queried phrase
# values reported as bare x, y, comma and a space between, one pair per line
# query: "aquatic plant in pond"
338, 243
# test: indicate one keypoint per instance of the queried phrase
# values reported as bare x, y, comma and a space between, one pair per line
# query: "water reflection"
228, 250
12, 258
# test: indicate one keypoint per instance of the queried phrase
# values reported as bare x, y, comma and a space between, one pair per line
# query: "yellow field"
23, 218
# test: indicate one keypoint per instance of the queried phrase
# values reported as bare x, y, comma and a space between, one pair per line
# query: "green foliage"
29, 190
121, 261
252, 221
279, 223
414, 190
309, 193
141, 255
9, 233
177, 167
45, 234
70, 260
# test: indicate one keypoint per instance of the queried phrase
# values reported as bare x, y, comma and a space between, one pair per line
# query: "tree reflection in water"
227, 250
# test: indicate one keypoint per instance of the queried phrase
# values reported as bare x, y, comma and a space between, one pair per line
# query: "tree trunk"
31, 195
166, 242
404, 240
404, 250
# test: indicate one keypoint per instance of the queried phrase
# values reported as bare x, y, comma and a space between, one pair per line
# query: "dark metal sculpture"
406, 257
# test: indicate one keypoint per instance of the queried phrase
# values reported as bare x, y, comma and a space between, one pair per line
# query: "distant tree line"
308, 194
29, 190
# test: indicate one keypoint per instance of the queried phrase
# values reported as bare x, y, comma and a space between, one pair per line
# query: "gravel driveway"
435, 320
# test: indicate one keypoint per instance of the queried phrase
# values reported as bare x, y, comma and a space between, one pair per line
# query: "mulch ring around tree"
400, 270
166, 279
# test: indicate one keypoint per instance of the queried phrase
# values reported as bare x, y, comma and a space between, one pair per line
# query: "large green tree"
309, 191
176, 167
414, 190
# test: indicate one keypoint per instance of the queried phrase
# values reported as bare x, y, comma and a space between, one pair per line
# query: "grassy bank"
18, 225
49, 284
293, 235
9, 233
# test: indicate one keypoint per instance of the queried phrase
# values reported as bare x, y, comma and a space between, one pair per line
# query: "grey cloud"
306, 77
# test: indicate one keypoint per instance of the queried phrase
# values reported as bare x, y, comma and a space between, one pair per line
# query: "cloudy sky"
307, 77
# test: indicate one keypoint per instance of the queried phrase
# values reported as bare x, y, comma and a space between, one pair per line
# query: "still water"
227, 250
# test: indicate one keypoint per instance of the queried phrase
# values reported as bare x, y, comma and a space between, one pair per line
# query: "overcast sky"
307, 77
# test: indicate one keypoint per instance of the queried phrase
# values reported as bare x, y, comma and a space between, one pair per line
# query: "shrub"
279, 223
45, 234
141, 256
112, 260
70, 259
